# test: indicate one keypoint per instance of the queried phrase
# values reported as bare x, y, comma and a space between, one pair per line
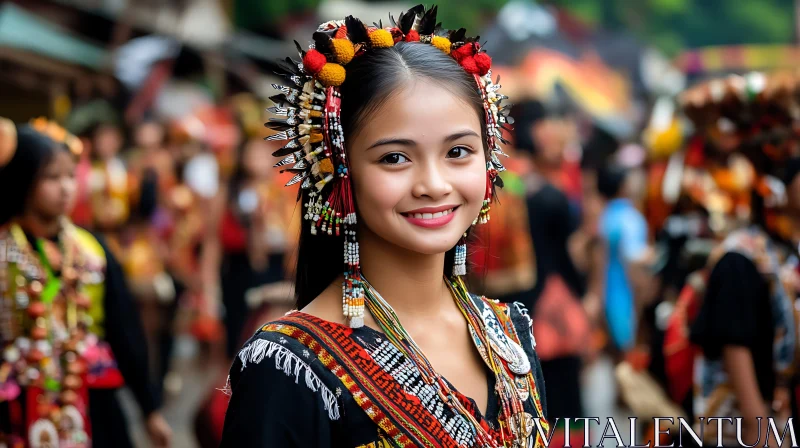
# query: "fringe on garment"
524, 311
291, 365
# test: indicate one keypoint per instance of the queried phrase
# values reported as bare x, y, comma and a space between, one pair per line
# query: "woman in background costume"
71, 332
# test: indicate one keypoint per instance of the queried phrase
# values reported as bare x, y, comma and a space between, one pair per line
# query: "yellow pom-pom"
343, 50
441, 43
331, 75
381, 38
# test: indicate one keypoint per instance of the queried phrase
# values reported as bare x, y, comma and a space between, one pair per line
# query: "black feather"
392, 21
427, 25
407, 18
322, 43
499, 181
356, 31
288, 66
287, 149
458, 35
300, 49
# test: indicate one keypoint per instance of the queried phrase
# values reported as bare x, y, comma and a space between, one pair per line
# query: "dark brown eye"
458, 152
394, 159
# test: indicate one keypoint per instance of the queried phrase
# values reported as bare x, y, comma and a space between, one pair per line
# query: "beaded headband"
309, 117
58, 134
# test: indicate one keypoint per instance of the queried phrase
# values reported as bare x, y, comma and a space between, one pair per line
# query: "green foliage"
674, 25
671, 25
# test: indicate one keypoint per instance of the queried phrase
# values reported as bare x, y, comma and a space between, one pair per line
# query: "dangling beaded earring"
460, 260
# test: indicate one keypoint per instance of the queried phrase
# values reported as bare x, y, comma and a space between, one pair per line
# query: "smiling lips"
431, 217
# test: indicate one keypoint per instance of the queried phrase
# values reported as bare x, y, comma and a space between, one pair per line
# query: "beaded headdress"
309, 117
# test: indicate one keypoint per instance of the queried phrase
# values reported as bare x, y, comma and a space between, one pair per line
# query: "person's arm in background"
741, 371
638, 258
211, 252
125, 335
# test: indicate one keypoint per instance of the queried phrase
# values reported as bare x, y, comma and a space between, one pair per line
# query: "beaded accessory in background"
309, 118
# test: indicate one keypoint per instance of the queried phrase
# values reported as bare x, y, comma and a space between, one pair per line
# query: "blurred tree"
673, 25
266, 17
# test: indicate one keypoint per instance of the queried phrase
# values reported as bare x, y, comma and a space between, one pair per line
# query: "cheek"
378, 191
46, 193
470, 181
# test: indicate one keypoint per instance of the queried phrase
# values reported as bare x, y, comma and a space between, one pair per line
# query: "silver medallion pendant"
504, 346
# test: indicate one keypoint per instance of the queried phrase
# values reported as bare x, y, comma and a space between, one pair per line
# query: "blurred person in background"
560, 323
68, 291
248, 234
628, 283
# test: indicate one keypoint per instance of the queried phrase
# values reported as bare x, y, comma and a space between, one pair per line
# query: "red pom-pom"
397, 35
484, 63
314, 61
469, 65
412, 36
462, 52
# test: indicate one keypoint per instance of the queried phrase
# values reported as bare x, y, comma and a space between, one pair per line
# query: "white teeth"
430, 215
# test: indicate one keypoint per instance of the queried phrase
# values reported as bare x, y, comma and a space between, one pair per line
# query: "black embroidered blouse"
293, 386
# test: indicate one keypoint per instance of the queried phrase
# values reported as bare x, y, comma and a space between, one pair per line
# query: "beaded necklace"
41, 352
516, 426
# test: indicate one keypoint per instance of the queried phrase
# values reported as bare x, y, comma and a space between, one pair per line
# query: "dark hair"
526, 115
371, 80
598, 149
610, 180
19, 176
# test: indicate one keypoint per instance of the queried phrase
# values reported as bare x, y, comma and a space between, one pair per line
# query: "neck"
412, 283
38, 226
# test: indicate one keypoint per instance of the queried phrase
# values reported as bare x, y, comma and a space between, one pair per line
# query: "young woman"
394, 351
70, 331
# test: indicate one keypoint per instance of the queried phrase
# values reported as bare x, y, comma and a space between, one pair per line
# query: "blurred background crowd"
647, 132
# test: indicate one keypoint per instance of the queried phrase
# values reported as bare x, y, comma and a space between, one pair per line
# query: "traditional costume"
303, 381
65, 313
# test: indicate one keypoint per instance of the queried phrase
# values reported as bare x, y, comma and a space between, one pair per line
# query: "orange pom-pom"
331, 75
441, 43
462, 52
341, 33
343, 50
326, 166
381, 38
484, 63
313, 61
412, 36
469, 65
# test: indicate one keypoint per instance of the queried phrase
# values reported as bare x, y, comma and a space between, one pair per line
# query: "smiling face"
419, 169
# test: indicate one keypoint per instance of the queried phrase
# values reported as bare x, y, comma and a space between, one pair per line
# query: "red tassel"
469, 65
412, 36
484, 63
314, 61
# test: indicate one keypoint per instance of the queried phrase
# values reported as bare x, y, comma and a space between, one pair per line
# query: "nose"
432, 181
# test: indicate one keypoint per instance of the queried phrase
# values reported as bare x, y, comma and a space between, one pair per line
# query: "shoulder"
92, 246
273, 363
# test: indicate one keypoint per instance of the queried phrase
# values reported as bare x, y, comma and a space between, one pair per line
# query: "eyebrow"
410, 142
